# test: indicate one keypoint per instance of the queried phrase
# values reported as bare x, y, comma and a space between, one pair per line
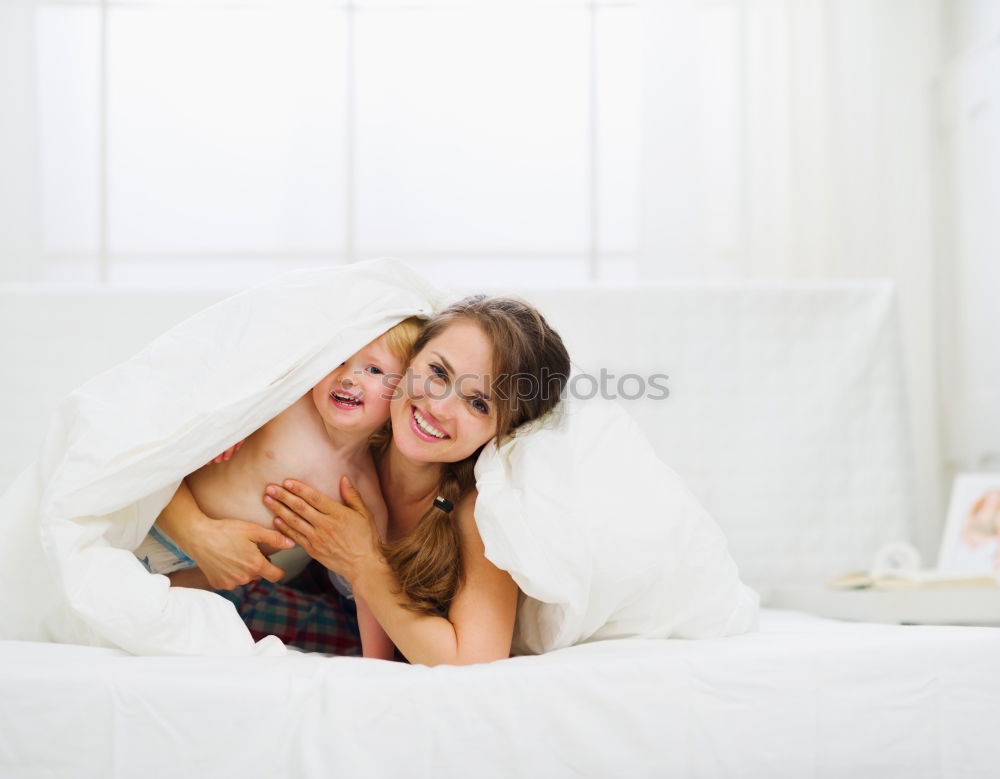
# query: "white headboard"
786, 411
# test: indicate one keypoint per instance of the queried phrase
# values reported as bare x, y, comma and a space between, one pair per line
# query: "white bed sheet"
804, 697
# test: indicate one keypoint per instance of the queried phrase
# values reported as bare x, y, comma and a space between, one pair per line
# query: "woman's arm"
226, 550
480, 623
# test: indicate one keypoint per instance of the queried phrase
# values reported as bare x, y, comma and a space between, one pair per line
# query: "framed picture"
971, 541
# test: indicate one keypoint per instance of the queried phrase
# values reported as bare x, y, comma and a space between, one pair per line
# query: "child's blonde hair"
400, 338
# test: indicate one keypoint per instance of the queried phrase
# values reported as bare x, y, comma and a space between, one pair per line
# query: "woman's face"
442, 410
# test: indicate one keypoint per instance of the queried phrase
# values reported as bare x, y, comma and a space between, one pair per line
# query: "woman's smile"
424, 427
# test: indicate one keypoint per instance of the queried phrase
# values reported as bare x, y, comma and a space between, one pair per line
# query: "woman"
430, 584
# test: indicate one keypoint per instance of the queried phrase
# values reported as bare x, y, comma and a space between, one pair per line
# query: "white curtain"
796, 139
20, 223
971, 317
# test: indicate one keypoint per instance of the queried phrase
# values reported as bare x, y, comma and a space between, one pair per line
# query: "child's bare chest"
293, 445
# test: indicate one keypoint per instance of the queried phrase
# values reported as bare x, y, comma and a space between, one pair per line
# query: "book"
897, 580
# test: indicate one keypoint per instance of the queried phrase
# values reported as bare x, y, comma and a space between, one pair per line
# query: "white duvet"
603, 539
802, 698
119, 445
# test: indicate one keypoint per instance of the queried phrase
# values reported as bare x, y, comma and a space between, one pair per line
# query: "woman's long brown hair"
531, 367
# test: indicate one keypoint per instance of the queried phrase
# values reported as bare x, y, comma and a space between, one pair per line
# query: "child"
318, 439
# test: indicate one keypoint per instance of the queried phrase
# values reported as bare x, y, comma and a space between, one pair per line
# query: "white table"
952, 605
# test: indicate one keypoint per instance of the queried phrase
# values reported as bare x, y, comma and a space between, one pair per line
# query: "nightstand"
953, 605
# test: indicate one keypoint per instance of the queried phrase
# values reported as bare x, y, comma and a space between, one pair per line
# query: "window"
207, 138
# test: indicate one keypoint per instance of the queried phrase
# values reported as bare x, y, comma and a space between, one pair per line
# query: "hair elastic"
444, 504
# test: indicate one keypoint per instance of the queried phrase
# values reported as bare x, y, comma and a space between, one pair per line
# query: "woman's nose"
440, 403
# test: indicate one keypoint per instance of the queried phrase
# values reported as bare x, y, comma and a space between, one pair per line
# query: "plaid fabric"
307, 613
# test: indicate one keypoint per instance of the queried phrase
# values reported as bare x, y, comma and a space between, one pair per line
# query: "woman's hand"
342, 537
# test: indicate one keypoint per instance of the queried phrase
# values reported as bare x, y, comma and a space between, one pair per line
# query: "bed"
803, 697
786, 416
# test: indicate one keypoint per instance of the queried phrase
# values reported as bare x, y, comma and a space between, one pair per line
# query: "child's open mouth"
345, 401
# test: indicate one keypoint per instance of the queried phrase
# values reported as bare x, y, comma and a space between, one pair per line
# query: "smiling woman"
429, 584
457, 395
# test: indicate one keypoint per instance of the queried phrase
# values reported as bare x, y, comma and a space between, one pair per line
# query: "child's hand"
228, 552
224, 457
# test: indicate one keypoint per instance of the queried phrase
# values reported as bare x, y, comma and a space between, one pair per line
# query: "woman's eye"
437, 370
480, 406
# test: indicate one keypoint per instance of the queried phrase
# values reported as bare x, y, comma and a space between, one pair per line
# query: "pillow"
603, 539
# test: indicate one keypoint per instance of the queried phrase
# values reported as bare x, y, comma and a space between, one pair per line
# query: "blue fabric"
168, 543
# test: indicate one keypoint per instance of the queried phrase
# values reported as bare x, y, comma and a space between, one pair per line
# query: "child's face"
355, 396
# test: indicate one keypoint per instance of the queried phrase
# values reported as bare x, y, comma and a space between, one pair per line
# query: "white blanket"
603, 539
118, 447
803, 698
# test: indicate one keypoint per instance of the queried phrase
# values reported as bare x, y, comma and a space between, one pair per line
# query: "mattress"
804, 697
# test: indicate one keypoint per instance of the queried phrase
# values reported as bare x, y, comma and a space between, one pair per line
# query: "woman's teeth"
424, 425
